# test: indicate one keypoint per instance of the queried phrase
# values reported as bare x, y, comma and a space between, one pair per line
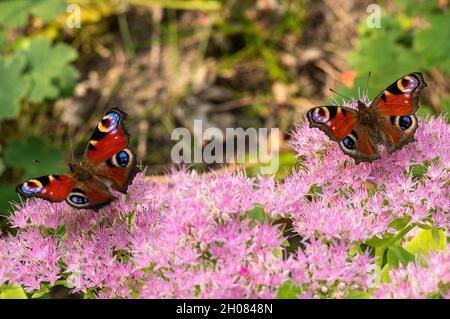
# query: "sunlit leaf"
357, 294
426, 241
13, 293
288, 291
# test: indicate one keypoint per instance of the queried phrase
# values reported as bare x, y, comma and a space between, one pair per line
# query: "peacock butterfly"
390, 120
107, 162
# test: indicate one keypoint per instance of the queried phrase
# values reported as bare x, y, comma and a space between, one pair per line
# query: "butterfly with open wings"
389, 120
107, 162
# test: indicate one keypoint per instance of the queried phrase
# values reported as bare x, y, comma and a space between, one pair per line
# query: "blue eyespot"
30, 188
110, 121
349, 143
122, 158
320, 115
78, 199
405, 122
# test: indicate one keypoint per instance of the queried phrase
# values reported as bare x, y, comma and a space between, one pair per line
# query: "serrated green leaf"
21, 152
49, 68
288, 290
425, 241
13, 86
14, 13
397, 254
13, 293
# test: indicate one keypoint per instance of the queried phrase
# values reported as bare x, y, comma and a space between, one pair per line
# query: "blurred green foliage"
399, 47
252, 48
15, 13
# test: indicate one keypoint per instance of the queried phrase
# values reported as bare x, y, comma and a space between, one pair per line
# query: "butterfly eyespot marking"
405, 122
109, 122
31, 187
349, 142
320, 115
77, 198
408, 83
121, 159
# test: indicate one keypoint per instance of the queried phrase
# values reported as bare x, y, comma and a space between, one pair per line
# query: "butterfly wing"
119, 170
396, 106
89, 195
54, 188
57, 188
108, 138
340, 124
107, 151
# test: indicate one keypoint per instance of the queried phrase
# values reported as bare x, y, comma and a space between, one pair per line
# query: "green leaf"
7, 195
49, 68
400, 222
13, 86
419, 170
432, 42
288, 290
397, 254
13, 293
14, 13
357, 294
2, 166
380, 242
47, 10
388, 49
21, 152
40, 294
3, 40
426, 241
257, 213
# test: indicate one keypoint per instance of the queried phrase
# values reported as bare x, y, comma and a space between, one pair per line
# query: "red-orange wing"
401, 97
109, 137
340, 124
119, 170
54, 188
396, 106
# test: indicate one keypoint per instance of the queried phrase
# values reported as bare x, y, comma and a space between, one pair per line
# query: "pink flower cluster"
196, 236
418, 281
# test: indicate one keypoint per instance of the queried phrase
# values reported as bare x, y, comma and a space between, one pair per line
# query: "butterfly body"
388, 120
107, 163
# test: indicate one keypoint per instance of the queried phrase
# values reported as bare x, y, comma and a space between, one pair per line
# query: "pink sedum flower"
417, 281
194, 236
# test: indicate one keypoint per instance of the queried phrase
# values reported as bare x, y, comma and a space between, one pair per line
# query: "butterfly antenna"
367, 85
341, 94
